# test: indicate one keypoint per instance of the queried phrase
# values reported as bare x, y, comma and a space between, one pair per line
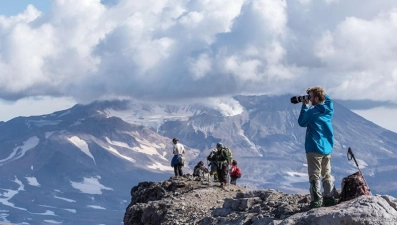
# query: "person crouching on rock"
220, 158
178, 160
200, 170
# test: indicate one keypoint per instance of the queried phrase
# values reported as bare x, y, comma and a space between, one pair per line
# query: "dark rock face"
187, 200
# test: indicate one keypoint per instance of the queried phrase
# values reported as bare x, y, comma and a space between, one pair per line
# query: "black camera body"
297, 99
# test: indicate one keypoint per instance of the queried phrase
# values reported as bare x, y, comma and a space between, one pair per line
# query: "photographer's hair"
317, 92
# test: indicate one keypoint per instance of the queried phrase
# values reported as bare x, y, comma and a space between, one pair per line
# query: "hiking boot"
329, 201
315, 204
315, 191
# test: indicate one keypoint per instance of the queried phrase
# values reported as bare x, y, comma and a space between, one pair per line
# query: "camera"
297, 99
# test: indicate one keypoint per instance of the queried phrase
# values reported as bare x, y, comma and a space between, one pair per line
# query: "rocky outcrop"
190, 201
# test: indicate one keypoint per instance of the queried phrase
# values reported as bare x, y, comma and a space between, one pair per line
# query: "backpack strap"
225, 154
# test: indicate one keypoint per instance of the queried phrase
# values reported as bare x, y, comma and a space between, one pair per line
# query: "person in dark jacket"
220, 158
319, 143
200, 169
212, 166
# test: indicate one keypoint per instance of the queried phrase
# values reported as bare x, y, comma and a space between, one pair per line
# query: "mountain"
77, 166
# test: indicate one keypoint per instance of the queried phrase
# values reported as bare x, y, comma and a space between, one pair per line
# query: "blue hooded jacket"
319, 132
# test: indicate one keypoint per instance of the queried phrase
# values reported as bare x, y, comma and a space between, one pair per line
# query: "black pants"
233, 179
178, 170
222, 173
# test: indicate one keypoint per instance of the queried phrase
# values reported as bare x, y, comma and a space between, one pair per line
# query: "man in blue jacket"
319, 142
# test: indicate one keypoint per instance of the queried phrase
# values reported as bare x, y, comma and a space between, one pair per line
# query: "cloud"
366, 104
179, 50
226, 106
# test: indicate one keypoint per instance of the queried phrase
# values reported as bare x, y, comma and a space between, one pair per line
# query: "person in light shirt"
178, 159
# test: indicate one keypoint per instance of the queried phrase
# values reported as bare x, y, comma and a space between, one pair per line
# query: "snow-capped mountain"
77, 166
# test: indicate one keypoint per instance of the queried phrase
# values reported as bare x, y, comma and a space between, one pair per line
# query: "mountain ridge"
86, 158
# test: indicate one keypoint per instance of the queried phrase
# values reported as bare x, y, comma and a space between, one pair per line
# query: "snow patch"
82, 145
65, 199
95, 207
52, 222
160, 166
46, 213
386, 150
48, 134
33, 181
145, 146
20, 151
114, 151
7, 195
71, 210
90, 185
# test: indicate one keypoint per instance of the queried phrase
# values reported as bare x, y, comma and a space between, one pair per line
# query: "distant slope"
77, 166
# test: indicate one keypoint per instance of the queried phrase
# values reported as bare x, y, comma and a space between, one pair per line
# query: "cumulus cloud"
178, 50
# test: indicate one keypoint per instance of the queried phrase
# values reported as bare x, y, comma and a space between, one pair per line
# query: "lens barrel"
297, 99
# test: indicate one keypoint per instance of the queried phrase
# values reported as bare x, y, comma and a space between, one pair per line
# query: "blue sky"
13, 7
54, 54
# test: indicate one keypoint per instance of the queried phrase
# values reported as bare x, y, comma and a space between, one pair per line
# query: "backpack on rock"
353, 185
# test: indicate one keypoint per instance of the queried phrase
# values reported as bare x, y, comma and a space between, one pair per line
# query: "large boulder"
374, 210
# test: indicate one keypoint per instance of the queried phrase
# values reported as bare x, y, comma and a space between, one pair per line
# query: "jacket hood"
322, 108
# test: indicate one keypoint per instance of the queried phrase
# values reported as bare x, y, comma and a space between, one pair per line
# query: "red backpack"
236, 172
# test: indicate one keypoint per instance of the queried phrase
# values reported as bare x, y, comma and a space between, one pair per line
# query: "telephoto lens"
297, 99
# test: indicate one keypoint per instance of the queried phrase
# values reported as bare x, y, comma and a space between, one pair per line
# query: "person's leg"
175, 170
219, 174
328, 181
314, 168
215, 176
233, 180
180, 170
224, 174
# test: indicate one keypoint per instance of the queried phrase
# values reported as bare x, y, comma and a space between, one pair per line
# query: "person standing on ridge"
221, 159
212, 165
319, 142
235, 173
178, 160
